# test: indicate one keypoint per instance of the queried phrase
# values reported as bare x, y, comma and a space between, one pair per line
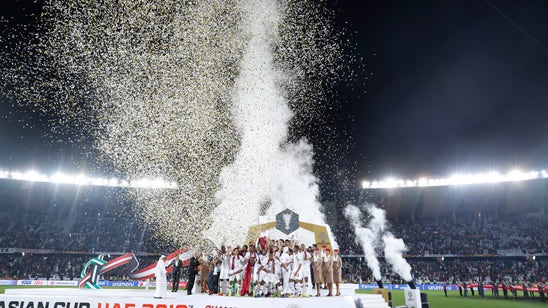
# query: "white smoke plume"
393, 251
377, 223
366, 238
376, 235
268, 174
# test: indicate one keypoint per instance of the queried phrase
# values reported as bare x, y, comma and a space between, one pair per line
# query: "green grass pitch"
438, 300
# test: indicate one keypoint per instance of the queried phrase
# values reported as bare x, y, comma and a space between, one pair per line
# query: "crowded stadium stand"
477, 233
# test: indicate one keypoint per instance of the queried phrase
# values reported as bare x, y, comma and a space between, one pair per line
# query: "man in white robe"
161, 278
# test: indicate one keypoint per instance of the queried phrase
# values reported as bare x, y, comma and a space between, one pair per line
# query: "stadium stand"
50, 232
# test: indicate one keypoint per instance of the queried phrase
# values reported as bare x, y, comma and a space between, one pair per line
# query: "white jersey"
277, 266
263, 259
297, 271
224, 267
248, 257
235, 266
267, 272
287, 260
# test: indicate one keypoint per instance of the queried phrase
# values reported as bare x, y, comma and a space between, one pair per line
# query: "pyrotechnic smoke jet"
393, 247
393, 251
366, 238
376, 236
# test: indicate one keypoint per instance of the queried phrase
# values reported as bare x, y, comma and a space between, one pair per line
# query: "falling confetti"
149, 88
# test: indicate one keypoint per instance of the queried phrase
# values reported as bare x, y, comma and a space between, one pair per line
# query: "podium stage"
131, 298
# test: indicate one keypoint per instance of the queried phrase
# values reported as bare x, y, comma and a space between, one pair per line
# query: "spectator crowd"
470, 235
467, 249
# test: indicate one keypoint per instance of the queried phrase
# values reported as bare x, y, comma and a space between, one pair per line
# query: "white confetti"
153, 88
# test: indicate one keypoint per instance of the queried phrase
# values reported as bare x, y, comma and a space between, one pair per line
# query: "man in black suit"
192, 271
176, 273
504, 290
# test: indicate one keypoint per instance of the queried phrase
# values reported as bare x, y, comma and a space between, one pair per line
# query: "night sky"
452, 86
447, 86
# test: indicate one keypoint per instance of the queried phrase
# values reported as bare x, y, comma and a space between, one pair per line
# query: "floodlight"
458, 179
82, 179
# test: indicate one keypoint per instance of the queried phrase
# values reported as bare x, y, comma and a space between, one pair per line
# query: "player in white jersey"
273, 277
223, 275
256, 271
297, 271
285, 262
235, 272
306, 270
249, 271
265, 270
262, 257
252, 253
277, 252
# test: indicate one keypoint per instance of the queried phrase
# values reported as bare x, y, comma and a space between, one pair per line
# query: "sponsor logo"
39, 283
123, 284
410, 295
64, 283
8, 282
